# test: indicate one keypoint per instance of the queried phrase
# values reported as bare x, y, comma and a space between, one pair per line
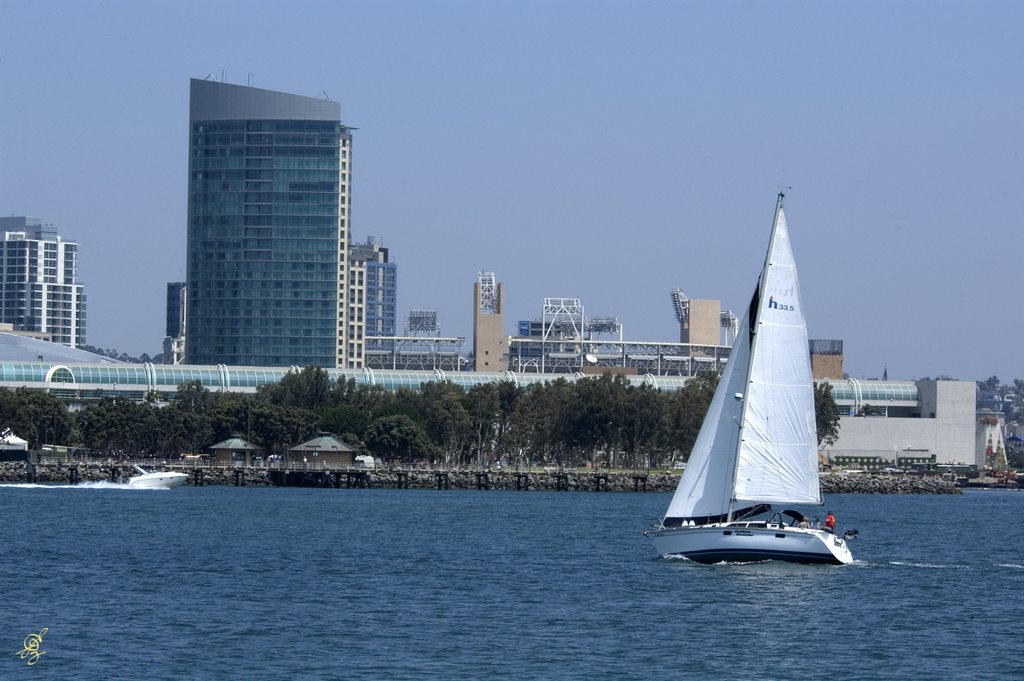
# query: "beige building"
703, 324
235, 450
490, 345
826, 359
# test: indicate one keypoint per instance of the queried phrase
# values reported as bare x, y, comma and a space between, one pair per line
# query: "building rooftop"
17, 348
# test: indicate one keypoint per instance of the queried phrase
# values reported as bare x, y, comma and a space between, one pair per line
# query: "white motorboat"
758, 444
156, 479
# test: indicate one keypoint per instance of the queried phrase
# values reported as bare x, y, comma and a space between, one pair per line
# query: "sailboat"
758, 443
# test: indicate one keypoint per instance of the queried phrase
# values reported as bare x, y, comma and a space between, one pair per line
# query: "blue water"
246, 583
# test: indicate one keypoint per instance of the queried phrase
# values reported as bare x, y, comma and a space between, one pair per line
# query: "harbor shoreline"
554, 480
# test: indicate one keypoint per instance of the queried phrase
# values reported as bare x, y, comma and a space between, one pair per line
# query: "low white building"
902, 423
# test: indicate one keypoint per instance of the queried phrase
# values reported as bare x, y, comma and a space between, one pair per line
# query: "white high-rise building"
39, 289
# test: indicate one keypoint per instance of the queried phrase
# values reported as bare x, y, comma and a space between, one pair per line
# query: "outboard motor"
850, 534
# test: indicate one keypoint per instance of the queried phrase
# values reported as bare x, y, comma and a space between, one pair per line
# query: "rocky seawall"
887, 484
58, 473
638, 481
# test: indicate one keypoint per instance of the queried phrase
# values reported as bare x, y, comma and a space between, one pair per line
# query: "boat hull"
743, 543
159, 480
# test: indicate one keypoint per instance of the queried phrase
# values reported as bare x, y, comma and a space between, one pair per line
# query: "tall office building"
268, 227
39, 289
373, 292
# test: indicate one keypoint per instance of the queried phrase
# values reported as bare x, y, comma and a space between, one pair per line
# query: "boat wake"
103, 484
940, 566
903, 563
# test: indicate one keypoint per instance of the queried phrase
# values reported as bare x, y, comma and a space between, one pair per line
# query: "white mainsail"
758, 442
778, 454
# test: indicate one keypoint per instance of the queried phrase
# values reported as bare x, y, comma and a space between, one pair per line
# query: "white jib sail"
706, 484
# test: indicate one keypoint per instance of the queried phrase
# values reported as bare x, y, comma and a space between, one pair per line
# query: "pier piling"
359, 479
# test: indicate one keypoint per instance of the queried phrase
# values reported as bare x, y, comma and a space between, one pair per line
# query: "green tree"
192, 397
508, 396
277, 429
596, 417
345, 419
826, 414
308, 389
685, 413
483, 408
120, 428
37, 417
180, 432
542, 416
398, 437
990, 383
446, 419
1015, 456
644, 410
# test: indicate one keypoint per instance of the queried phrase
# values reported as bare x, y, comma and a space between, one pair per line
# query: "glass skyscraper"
268, 212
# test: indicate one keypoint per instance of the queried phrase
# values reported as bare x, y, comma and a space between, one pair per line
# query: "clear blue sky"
602, 150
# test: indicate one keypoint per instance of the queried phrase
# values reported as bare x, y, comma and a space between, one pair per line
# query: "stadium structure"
919, 423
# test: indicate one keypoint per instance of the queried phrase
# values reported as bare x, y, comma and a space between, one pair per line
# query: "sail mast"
754, 318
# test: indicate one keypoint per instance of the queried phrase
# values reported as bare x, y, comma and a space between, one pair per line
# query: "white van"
365, 461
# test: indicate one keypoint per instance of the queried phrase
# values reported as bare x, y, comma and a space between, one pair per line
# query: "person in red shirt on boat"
830, 522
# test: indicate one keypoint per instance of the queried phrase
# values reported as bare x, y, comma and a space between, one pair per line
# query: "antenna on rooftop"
326, 96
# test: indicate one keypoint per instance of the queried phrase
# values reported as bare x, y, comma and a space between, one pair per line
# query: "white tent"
9, 440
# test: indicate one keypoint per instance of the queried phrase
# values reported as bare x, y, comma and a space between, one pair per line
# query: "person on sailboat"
830, 522
805, 524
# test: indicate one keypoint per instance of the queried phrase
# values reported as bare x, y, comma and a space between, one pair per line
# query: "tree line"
603, 420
